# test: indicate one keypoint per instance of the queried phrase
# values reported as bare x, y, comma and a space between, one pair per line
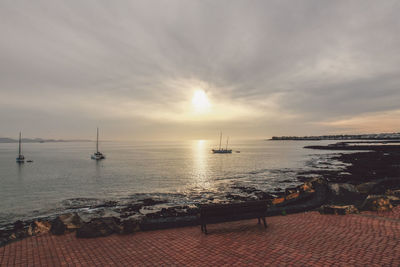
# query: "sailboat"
98, 155
221, 150
20, 158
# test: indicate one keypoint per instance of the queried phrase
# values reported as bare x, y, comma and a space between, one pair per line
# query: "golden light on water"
200, 166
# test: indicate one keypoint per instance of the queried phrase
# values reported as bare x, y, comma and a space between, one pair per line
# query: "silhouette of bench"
219, 213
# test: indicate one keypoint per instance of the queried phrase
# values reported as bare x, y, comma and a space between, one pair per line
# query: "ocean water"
63, 175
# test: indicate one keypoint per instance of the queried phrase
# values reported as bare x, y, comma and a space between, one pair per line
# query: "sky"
172, 70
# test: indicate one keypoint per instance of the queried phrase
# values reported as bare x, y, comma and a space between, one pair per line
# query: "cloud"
133, 65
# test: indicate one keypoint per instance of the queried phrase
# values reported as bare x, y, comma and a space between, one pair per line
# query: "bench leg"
201, 227
205, 229
259, 220
265, 223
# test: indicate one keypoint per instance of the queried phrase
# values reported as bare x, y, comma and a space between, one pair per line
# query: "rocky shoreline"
370, 181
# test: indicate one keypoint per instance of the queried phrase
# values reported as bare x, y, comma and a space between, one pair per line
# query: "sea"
62, 175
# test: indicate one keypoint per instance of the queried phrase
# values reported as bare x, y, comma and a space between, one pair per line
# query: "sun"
200, 101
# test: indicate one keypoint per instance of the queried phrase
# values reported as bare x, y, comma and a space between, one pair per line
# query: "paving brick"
304, 239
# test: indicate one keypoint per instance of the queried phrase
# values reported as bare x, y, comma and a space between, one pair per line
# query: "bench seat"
219, 213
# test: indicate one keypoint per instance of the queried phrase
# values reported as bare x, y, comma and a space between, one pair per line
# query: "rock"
278, 200
289, 191
292, 196
237, 197
394, 200
366, 188
152, 202
3, 241
386, 184
129, 226
395, 193
338, 210
58, 227
339, 189
306, 187
131, 208
377, 203
263, 195
99, 227
248, 190
39, 227
72, 221
344, 194
18, 225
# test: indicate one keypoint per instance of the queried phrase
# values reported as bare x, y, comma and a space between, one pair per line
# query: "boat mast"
97, 141
19, 145
220, 140
227, 139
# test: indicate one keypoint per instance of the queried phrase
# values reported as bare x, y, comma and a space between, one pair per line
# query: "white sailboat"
98, 155
20, 158
221, 150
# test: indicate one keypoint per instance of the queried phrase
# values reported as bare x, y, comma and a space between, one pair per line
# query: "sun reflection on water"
200, 165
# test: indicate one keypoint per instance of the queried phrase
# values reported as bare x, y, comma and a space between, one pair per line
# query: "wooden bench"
218, 213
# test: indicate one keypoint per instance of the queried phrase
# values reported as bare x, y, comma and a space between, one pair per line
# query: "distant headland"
38, 140
381, 136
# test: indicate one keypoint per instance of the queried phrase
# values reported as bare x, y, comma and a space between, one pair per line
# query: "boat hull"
222, 151
97, 156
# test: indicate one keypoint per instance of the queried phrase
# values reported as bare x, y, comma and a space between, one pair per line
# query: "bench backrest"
221, 210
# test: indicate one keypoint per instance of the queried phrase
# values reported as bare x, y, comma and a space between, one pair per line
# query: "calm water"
63, 173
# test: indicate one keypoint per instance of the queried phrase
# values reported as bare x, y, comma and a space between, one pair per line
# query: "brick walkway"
300, 239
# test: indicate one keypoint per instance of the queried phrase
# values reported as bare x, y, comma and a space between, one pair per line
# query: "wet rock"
131, 208
338, 210
366, 188
244, 189
152, 202
164, 212
99, 227
237, 197
377, 203
173, 212
72, 221
58, 227
290, 190
263, 196
106, 204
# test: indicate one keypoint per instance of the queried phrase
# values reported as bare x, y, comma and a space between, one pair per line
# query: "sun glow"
200, 101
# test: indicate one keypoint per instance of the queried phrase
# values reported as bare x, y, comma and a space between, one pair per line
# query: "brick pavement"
305, 239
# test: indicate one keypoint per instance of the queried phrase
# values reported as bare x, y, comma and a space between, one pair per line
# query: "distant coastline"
381, 136
39, 140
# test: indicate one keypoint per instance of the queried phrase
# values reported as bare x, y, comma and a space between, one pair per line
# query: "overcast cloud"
130, 67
